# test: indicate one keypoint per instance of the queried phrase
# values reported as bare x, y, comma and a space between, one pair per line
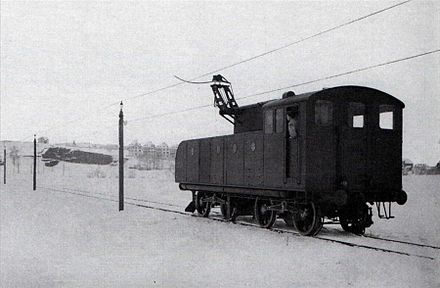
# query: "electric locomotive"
329, 153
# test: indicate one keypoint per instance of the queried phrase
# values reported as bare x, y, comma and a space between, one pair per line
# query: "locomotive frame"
303, 157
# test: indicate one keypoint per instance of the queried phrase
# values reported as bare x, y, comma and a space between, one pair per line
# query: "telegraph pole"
35, 164
121, 159
4, 166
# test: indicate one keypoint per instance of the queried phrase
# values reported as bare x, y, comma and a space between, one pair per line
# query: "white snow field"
51, 238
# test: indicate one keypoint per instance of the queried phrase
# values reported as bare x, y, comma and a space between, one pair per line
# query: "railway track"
403, 242
357, 243
334, 240
391, 240
129, 198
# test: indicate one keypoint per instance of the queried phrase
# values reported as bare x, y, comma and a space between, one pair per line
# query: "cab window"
292, 122
323, 112
268, 122
279, 118
386, 117
356, 115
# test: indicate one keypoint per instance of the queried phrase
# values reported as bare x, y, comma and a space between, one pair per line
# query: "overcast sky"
63, 63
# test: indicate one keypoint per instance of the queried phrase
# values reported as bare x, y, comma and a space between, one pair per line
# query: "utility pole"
121, 159
4, 165
35, 164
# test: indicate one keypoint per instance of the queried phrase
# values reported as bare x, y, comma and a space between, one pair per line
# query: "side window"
356, 115
386, 115
292, 118
279, 118
268, 122
323, 112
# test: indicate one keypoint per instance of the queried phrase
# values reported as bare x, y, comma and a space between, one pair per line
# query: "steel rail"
401, 241
242, 223
173, 205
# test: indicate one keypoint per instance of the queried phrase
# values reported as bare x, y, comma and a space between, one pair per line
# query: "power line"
293, 85
234, 64
267, 52
342, 74
303, 39
168, 113
144, 94
141, 119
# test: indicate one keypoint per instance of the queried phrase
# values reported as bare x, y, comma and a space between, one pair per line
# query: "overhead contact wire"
294, 85
342, 74
237, 63
268, 52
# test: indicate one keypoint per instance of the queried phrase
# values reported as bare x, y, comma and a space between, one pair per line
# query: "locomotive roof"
340, 90
255, 105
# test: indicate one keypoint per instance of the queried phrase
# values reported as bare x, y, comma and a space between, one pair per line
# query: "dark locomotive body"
342, 150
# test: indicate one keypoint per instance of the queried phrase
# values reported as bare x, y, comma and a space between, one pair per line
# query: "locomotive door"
386, 144
273, 143
353, 146
293, 145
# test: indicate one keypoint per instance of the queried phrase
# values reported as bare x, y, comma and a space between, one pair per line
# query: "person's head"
293, 115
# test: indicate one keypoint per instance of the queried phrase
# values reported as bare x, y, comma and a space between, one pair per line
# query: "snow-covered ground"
55, 239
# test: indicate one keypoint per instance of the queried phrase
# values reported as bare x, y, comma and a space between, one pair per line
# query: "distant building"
435, 170
164, 150
151, 156
135, 149
407, 166
149, 149
173, 150
43, 140
420, 169
423, 169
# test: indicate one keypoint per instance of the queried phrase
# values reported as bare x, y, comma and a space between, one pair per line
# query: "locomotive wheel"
358, 220
203, 208
308, 220
352, 226
344, 223
265, 218
358, 229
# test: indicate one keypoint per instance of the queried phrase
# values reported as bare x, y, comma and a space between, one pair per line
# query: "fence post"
35, 164
121, 159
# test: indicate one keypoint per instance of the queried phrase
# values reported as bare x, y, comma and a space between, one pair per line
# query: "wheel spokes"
308, 220
266, 218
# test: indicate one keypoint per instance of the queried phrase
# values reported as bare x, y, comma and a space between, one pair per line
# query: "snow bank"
52, 239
